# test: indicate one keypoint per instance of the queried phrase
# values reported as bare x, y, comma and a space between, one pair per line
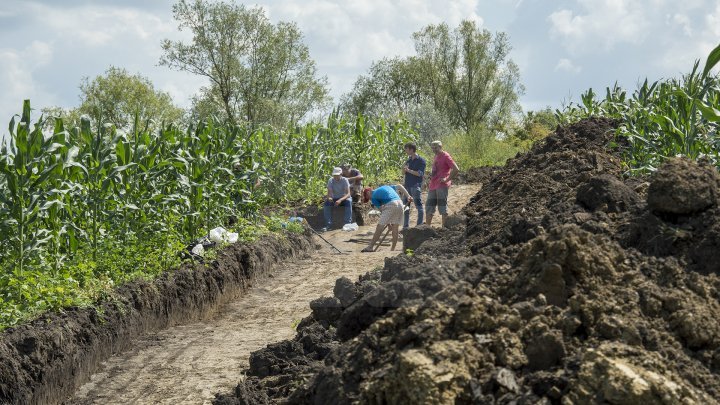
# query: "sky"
562, 47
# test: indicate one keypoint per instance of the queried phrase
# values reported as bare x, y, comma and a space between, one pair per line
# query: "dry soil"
188, 364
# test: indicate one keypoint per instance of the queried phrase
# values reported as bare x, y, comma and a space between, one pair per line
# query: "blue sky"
562, 47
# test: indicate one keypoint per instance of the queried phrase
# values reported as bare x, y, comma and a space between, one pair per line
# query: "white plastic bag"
218, 234
350, 227
198, 250
232, 237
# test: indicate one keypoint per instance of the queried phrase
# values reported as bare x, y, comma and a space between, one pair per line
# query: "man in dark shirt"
414, 171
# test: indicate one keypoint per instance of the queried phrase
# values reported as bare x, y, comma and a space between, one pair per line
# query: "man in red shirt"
443, 170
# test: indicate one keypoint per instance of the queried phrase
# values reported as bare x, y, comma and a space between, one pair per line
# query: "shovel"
326, 241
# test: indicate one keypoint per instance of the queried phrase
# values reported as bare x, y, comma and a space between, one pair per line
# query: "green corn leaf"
43, 176
709, 113
712, 60
26, 112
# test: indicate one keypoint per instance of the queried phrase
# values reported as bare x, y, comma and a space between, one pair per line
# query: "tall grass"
481, 147
673, 117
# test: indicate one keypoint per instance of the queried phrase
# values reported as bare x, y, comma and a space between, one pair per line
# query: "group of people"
345, 186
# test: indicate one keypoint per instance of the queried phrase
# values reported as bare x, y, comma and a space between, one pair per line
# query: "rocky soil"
561, 282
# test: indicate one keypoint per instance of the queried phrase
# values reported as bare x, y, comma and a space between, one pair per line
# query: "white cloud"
599, 23
95, 26
712, 22
17, 75
678, 54
346, 37
683, 21
566, 65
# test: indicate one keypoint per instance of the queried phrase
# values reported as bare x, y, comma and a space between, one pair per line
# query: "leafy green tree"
392, 86
259, 72
534, 126
117, 96
464, 73
468, 73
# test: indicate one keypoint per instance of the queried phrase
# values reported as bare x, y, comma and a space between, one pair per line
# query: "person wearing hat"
338, 188
355, 178
387, 199
444, 169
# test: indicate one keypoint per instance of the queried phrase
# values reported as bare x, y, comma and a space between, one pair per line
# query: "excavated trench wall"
43, 362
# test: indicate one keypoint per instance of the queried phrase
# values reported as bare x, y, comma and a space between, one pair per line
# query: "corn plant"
26, 167
663, 119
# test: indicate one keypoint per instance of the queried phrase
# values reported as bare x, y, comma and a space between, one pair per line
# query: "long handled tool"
326, 241
382, 239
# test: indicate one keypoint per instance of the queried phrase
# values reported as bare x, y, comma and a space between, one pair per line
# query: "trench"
189, 364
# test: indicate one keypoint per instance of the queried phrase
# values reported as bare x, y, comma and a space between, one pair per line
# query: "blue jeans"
327, 210
417, 197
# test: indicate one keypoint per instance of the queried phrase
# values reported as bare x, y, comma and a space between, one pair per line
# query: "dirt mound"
477, 175
566, 291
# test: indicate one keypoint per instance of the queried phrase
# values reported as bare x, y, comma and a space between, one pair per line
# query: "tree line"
261, 73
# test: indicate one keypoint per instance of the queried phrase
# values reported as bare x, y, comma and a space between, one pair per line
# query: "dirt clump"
564, 290
477, 175
681, 186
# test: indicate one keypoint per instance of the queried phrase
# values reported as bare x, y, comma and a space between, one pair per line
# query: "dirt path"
188, 364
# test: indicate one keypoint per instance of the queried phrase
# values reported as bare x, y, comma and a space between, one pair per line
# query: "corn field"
81, 206
673, 117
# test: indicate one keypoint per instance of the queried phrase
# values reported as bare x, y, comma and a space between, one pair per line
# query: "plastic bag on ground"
232, 237
218, 234
198, 250
350, 227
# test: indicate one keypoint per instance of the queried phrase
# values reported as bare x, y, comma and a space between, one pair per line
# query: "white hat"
336, 171
436, 143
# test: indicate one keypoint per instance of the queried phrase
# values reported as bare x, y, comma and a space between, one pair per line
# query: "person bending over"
387, 199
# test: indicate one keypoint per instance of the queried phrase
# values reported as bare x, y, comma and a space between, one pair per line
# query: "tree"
468, 73
392, 86
258, 72
465, 74
536, 125
117, 96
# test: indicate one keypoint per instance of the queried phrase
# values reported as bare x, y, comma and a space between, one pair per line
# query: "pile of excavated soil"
562, 282
476, 175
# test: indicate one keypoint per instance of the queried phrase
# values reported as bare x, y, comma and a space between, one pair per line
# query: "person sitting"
355, 178
338, 188
387, 199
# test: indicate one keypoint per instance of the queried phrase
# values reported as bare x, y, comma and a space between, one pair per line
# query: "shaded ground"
563, 283
188, 364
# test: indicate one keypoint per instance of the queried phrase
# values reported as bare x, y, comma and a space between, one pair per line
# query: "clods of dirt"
566, 283
682, 186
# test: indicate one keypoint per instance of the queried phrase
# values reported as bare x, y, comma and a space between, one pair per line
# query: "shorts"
437, 198
391, 213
